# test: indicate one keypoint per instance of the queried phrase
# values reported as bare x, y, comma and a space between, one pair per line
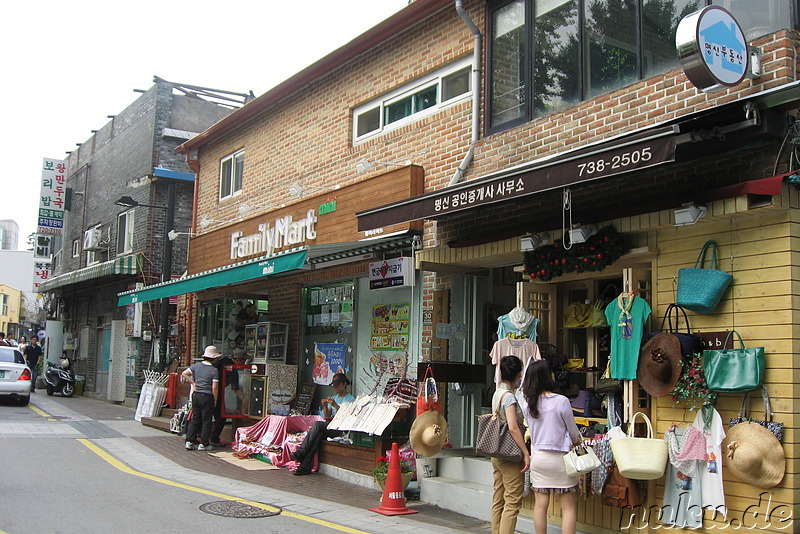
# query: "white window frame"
231, 192
404, 91
125, 227
76, 248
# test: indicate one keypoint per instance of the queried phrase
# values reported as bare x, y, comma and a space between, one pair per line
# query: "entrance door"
540, 300
103, 359
117, 362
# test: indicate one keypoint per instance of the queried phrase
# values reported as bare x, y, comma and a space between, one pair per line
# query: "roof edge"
397, 23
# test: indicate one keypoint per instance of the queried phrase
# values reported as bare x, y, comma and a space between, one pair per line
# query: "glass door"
103, 360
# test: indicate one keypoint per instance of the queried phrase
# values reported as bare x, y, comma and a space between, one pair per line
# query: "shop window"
222, 321
413, 101
329, 316
546, 55
231, 174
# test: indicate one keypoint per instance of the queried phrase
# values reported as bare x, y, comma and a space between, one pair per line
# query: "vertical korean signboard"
51, 197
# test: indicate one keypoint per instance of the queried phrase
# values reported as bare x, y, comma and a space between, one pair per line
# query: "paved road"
78, 465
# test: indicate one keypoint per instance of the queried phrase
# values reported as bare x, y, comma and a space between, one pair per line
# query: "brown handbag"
620, 491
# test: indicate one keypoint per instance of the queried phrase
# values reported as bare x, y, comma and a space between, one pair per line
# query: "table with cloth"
273, 430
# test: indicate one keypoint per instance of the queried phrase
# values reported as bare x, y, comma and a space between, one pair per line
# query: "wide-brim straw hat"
754, 455
428, 433
211, 353
660, 364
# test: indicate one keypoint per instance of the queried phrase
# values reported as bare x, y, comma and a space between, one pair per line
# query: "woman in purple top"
553, 433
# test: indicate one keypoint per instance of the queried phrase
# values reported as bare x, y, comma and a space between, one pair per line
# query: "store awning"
130, 264
229, 274
314, 256
625, 154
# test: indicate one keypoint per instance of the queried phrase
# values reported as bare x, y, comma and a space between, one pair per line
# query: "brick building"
106, 248
474, 124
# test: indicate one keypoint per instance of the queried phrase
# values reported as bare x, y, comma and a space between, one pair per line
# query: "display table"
273, 430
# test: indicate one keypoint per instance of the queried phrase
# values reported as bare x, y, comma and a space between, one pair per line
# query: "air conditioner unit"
92, 238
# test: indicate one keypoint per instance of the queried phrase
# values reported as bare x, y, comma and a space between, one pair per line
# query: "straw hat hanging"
428, 433
754, 455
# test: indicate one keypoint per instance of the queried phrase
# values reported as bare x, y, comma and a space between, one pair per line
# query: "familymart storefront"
301, 294
638, 229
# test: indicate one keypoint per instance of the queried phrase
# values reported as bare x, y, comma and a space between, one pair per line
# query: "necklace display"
625, 302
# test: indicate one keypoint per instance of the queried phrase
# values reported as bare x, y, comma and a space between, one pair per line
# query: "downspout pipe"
194, 165
476, 95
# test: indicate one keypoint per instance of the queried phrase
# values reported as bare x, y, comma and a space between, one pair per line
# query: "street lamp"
166, 261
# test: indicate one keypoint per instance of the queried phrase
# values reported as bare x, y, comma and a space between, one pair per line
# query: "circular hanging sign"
712, 49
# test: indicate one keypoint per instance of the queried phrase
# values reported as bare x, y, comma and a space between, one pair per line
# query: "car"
15, 375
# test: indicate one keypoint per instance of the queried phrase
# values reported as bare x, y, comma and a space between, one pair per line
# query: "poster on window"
329, 359
390, 327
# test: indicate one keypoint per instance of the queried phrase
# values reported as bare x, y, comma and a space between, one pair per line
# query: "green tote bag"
734, 370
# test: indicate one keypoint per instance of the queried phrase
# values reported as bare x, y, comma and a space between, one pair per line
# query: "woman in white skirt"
553, 433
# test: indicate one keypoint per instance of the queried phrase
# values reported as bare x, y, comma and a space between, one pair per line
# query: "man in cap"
204, 378
319, 430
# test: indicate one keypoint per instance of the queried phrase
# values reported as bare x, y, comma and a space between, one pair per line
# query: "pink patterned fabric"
272, 430
694, 446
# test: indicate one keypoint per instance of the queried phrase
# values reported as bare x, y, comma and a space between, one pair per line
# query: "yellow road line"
125, 469
41, 412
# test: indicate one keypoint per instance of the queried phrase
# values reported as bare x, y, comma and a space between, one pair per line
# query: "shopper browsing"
204, 379
553, 433
509, 477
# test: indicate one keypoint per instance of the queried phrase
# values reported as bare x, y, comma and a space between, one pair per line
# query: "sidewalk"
162, 454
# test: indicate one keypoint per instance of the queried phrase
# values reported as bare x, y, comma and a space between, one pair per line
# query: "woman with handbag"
553, 434
509, 476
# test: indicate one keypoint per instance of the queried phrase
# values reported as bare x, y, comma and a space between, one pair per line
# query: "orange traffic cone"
394, 500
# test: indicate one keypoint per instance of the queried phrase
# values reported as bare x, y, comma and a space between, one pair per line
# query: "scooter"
60, 377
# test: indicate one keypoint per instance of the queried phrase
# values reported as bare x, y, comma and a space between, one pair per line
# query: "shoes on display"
205, 448
190, 446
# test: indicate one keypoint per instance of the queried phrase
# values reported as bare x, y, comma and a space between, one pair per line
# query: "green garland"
597, 253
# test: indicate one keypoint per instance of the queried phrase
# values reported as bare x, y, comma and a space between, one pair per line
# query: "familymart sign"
284, 232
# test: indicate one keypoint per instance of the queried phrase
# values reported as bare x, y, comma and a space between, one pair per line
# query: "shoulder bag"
744, 415
620, 491
494, 438
605, 384
428, 396
690, 343
701, 289
734, 370
580, 460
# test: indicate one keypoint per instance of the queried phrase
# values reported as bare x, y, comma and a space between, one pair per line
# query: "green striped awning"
130, 264
229, 274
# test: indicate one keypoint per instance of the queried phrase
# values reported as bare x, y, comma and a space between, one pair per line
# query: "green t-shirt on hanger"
627, 316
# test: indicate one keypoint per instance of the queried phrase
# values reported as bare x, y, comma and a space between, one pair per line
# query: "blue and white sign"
712, 49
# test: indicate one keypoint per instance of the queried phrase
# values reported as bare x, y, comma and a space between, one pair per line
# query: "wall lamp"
534, 241
579, 233
173, 235
205, 222
297, 190
689, 213
245, 208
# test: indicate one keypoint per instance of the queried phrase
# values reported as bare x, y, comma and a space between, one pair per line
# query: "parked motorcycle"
60, 377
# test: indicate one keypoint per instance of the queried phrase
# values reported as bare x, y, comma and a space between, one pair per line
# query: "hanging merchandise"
734, 370
598, 252
683, 493
524, 349
640, 458
709, 422
428, 396
428, 433
754, 455
494, 439
627, 315
621, 491
517, 323
701, 289
580, 460
744, 415
690, 343
660, 364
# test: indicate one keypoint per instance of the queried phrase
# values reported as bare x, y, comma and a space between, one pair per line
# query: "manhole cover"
238, 509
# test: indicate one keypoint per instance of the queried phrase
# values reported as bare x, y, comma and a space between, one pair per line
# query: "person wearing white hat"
204, 378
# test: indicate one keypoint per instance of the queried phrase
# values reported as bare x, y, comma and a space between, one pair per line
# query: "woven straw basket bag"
640, 458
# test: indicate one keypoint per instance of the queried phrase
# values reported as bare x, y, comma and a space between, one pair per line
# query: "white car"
15, 376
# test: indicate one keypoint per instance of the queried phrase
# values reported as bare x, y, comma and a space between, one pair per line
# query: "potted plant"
382, 470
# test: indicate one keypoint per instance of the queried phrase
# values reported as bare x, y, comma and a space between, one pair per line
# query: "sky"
71, 64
